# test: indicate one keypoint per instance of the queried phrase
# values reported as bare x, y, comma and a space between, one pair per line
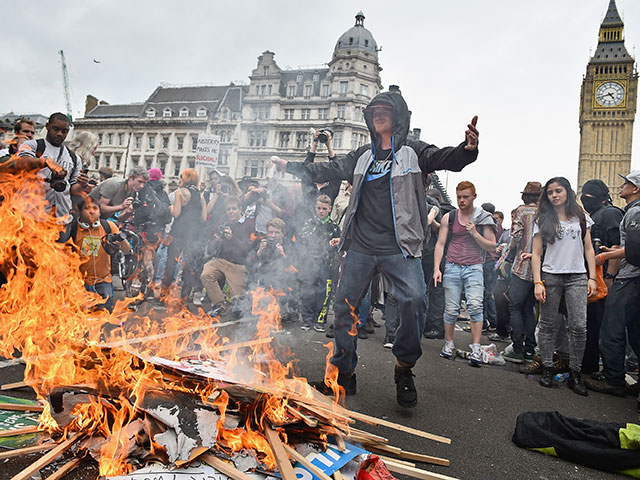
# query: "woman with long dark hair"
562, 231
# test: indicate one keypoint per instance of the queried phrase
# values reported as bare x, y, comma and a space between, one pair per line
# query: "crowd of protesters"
560, 288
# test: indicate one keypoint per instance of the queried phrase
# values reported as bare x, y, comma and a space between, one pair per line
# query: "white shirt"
61, 200
566, 254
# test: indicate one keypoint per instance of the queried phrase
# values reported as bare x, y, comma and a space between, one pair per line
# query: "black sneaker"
406, 394
388, 341
319, 327
329, 332
362, 333
547, 377
433, 334
574, 382
345, 380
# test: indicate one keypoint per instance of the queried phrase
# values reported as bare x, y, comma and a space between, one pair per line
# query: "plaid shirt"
522, 235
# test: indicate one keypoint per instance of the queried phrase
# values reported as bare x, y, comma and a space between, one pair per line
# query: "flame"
291, 268
46, 316
356, 321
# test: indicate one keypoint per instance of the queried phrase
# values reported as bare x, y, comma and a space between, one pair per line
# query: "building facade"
273, 115
608, 99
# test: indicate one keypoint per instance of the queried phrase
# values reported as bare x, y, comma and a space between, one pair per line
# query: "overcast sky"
518, 65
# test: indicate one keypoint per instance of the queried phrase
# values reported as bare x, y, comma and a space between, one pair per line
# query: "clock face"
610, 94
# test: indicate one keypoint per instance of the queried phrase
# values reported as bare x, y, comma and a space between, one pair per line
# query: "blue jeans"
105, 290
405, 283
454, 279
363, 309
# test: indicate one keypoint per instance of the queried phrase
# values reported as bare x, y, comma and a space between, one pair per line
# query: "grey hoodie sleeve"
336, 169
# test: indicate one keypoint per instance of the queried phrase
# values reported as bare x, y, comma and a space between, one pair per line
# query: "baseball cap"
633, 177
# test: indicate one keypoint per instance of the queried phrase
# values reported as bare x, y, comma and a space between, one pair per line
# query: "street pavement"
475, 407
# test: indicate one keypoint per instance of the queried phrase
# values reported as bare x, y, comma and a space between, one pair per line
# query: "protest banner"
207, 150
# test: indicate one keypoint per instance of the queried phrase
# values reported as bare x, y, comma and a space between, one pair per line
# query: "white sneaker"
448, 351
475, 359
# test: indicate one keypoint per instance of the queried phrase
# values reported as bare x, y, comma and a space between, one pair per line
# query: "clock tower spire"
608, 99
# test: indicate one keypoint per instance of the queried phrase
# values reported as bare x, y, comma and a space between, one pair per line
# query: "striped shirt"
522, 233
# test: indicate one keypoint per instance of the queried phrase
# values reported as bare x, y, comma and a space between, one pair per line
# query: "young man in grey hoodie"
466, 234
384, 229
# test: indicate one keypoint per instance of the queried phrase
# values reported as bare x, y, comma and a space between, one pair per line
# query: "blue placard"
329, 461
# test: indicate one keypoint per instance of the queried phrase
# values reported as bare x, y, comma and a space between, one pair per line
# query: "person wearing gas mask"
605, 232
59, 186
384, 229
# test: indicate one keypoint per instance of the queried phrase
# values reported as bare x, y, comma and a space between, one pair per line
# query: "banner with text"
207, 150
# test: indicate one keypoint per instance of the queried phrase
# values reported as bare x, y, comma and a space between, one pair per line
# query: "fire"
46, 316
356, 321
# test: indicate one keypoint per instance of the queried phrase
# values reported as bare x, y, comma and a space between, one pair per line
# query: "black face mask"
591, 204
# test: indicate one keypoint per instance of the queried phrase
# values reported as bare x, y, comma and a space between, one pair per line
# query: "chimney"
90, 103
395, 89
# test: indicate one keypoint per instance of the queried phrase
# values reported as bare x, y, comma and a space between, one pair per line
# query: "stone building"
272, 115
608, 101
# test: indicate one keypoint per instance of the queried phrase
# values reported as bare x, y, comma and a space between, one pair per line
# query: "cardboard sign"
11, 420
329, 461
207, 150
195, 471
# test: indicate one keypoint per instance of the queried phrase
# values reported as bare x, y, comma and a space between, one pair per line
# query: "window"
343, 87
324, 90
201, 112
99, 139
299, 77
292, 91
341, 109
306, 113
269, 89
194, 143
162, 163
364, 89
308, 89
165, 143
258, 138
179, 143
224, 157
176, 167
261, 90
357, 114
184, 112
323, 113
191, 161
284, 139
357, 140
265, 70
118, 162
151, 113
301, 140
138, 142
288, 113
121, 139
135, 160
109, 138
152, 142
316, 77
254, 168
166, 112
337, 140
261, 112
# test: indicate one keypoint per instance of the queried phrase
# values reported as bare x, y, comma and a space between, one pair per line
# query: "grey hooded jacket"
410, 160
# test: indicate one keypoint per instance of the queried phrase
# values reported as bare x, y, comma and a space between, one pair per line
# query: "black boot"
406, 393
546, 380
574, 382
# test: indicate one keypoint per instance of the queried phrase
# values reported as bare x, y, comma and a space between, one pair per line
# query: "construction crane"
65, 85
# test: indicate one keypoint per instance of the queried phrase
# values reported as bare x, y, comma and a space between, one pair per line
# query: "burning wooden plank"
224, 467
282, 459
21, 407
66, 468
292, 452
27, 450
12, 386
48, 457
20, 431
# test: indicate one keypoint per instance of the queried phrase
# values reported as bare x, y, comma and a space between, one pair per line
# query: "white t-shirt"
61, 200
566, 254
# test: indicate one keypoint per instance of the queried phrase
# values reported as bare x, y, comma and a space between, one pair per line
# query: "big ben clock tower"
608, 100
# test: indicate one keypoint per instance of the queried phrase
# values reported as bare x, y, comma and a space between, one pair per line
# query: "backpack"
632, 240
152, 209
41, 147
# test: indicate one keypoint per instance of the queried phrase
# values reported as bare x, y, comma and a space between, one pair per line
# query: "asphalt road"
476, 408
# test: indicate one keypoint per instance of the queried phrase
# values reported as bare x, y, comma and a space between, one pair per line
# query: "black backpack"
41, 147
632, 240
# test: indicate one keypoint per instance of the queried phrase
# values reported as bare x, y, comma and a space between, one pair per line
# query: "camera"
220, 231
226, 189
111, 240
323, 136
58, 184
135, 203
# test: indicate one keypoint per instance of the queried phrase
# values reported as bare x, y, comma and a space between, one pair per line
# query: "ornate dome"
357, 37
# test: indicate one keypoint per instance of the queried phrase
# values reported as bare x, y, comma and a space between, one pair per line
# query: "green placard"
10, 420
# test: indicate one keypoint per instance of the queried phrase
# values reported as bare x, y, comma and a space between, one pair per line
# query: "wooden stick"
326, 414
223, 467
21, 408
385, 423
337, 475
11, 386
277, 447
26, 450
20, 431
415, 472
63, 470
229, 346
370, 437
395, 460
309, 421
340, 442
305, 463
417, 457
49, 457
